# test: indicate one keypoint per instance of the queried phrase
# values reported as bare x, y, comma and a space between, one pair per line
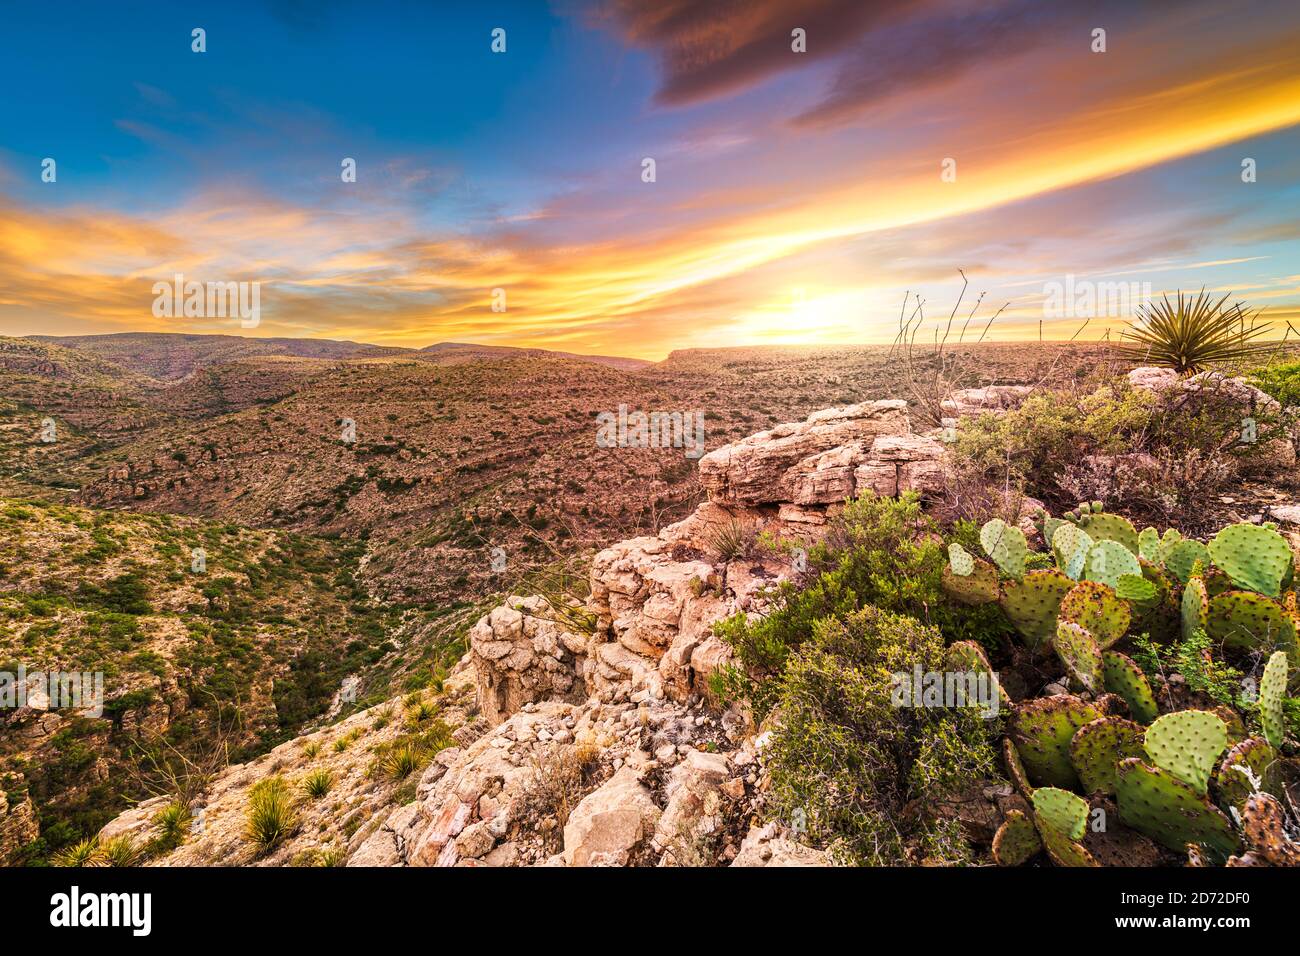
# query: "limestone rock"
612, 823
754, 470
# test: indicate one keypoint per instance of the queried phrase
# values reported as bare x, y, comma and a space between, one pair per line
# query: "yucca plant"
271, 815
122, 851
172, 823
86, 853
400, 762
1193, 333
318, 783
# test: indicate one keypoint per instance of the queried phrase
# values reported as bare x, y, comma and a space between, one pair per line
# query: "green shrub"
1282, 382
845, 761
880, 552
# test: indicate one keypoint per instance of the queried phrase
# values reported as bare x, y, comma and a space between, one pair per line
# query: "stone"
755, 469
611, 824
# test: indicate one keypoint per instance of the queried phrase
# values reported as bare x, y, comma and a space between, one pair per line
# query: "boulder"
612, 824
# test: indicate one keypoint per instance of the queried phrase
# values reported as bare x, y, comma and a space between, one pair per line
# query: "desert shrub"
401, 761
879, 552
1155, 455
845, 761
271, 817
311, 749
1282, 382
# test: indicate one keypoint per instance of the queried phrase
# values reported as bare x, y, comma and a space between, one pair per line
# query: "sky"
810, 196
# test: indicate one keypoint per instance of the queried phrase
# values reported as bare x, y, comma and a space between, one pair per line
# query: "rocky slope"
588, 734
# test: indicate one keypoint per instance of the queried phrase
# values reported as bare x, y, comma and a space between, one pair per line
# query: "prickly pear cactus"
1016, 840
1097, 609
980, 586
1195, 608
1108, 561
1097, 749
1042, 730
960, 560
1062, 811
1247, 621
1123, 677
1137, 590
1016, 769
1149, 545
1182, 556
1110, 527
1032, 604
1080, 654
1272, 690
1256, 558
1155, 802
1063, 850
1187, 744
1249, 767
967, 657
1263, 823
1070, 545
1005, 544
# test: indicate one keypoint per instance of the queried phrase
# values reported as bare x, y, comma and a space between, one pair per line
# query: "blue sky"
798, 195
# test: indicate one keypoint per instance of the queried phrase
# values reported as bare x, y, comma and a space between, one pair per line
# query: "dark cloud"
711, 47
880, 48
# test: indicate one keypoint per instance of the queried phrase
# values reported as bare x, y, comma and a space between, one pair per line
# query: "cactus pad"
1262, 822
967, 657
1062, 811
1070, 544
1042, 730
1006, 545
1149, 545
1187, 744
1195, 607
1080, 654
960, 560
1110, 527
1155, 802
1108, 561
1138, 589
1032, 604
1182, 556
978, 587
1063, 850
1097, 609
1016, 769
1121, 676
1272, 690
1246, 620
1250, 764
1256, 558
1016, 840
1098, 747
